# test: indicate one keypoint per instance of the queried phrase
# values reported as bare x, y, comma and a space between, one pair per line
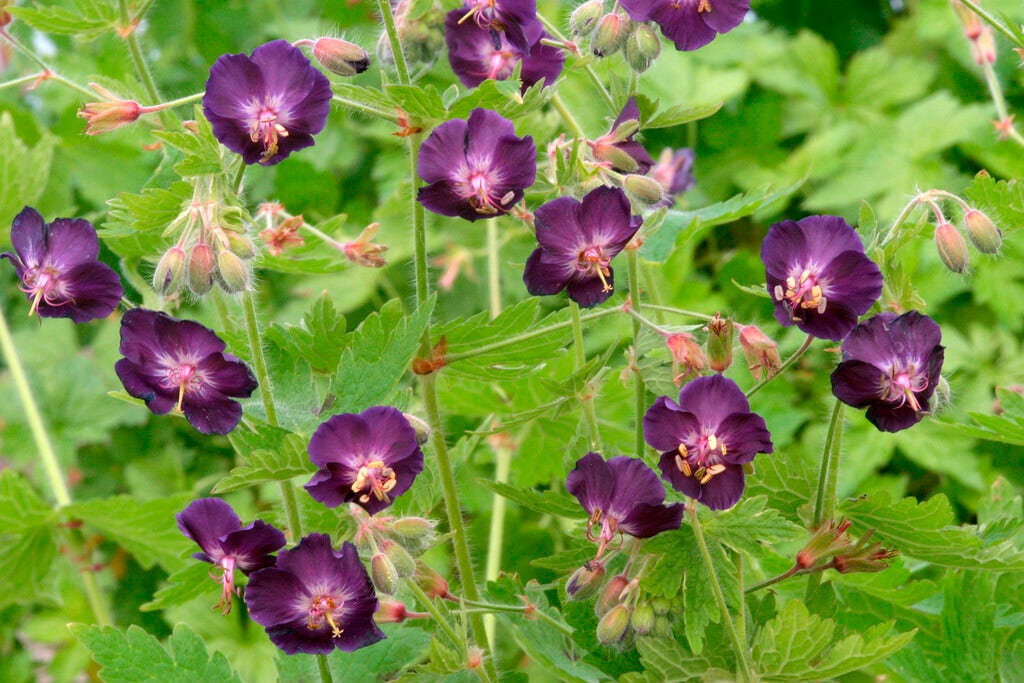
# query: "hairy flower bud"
826, 541
584, 17
687, 357
610, 34
340, 56
585, 581
385, 576
642, 619
612, 593
232, 272
241, 245
643, 46
983, 233
762, 353
613, 629
390, 612
952, 247
646, 189
415, 529
719, 343
399, 557
103, 117
420, 426
170, 271
429, 581
202, 266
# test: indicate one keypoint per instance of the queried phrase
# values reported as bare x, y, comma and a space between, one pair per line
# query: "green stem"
639, 390
521, 609
796, 570
828, 477
588, 70
51, 465
142, 8
996, 91
419, 229
21, 81
567, 116
365, 108
181, 101
741, 651
992, 21
131, 41
678, 311
484, 673
782, 368
324, 669
581, 360
48, 73
388, 18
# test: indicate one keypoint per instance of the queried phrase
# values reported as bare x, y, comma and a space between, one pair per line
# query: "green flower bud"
240, 245
643, 46
610, 34
584, 17
952, 247
231, 219
420, 426
613, 629
610, 597
412, 528
585, 581
170, 271
231, 272
983, 233
719, 344
399, 557
642, 619
646, 189
384, 575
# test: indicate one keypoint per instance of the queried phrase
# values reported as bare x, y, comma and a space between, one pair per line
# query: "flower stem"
828, 477
740, 648
388, 17
521, 609
588, 70
996, 91
678, 311
48, 73
21, 81
567, 116
483, 672
581, 360
365, 108
131, 40
51, 465
992, 21
795, 570
782, 368
639, 390
324, 669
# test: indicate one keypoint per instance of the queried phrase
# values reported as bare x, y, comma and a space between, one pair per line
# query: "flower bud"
584, 17
865, 557
420, 426
642, 47
825, 542
952, 247
687, 356
983, 48
241, 245
662, 626
429, 581
719, 344
613, 628
942, 396
384, 575
363, 252
762, 353
399, 557
201, 268
103, 117
610, 34
390, 612
612, 592
642, 619
231, 219
983, 233
620, 159
647, 190
585, 581
412, 528
661, 605
170, 271
231, 272
340, 56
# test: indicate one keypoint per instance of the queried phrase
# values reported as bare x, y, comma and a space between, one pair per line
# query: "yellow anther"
683, 466
713, 442
704, 6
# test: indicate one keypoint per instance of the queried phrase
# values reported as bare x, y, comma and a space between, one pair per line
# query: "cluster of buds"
690, 359
394, 544
609, 32
949, 238
421, 36
983, 44
831, 547
213, 248
338, 56
281, 233
620, 607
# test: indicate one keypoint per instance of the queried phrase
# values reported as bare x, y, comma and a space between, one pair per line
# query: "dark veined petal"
206, 521
589, 291
546, 274
28, 236
591, 482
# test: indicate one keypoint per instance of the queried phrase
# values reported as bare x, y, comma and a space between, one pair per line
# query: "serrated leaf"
136, 656
145, 529
25, 566
377, 356
1007, 427
91, 21
267, 454
692, 224
21, 508
667, 661
679, 114
1001, 200
421, 103
384, 661
749, 524
317, 339
545, 502
135, 223
182, 586
968, 622
23, 169
204, 155
503, 97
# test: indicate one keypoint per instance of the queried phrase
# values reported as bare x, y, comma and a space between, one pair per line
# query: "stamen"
378, 477
712, 442
704, 6
684, 466
336, 630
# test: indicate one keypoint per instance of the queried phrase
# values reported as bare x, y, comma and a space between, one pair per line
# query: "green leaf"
316, 339
21, 508
137, 656
23, 169
545, 502
798, 646
503, 97
666, 661
1001, 200
1005, 428
25, 567
182, 586
377, 356
135, 223
92, 19
421, 103
750, 524
267, 454
145, 529
678, 114
204, 155
968, 622
403, 647
693, 224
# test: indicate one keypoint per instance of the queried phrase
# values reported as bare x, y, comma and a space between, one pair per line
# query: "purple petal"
94, 291
712, 399
605, 219
185, 338
28, 236
590, 291
724, 490
70, 242
666, 425
445, 144
725, 15
638, 10
272, 596
516, 164
591, 482
440, 198
635, 482
543, 63
890, 417
682, 24
218, 416
688, 486
745, 435
253, 544
206, 521
646, 520
558, 226
141, 385
226, 377
857, 383
545, 275
484, 129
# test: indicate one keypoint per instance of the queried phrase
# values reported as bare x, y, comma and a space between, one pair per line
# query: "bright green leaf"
145, 529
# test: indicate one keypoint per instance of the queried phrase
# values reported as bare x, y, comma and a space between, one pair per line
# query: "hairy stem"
786, 364
639, 390
388, 17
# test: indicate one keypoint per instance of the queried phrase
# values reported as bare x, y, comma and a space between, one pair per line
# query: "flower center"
501, 63
267, 130
704, 6
801, 293
43, 283
227, 581
484, 14
701, 459
593, 262
325, 609
374, 478
184, 377
608, 528
901, 386
477, 186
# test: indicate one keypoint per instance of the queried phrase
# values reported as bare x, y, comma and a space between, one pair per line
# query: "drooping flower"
475, 55
690, 24
476, 168
315, 599
578, 241
516, 19
269, 105
674, 172
618, 148
818, 275
706, 438
225, 543
622, 496
180, 365
58, 268
891, 366
368, 459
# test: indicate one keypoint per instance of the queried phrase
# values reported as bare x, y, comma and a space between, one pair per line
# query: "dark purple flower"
689, 24
475, 56
890, 366
56, 263
618, 147
476, 168
269, 105
213, 524
315, 599
180, 365
578, 241
674, 172
818, 275
706, 438
623, 496
368, 459
517, 19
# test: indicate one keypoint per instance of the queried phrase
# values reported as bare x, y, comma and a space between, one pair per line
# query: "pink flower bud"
363, 252
202, 265
610, 34
983, 233
585, 581
687, 357
612, 593
340, 56
170, 271
952, 247
390, 612
762, 353
103, 117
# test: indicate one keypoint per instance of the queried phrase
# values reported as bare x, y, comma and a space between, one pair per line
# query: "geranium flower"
618, 148
818, 275
213, 524
180, 365
515, 18
690, 24
578, 241
58, 268
622, 496
674, 172
706, 438
476, 168
269, 105
891, 366
315, 599
368, 459
476, 56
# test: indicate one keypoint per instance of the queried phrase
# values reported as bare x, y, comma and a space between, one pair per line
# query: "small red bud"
612, 593
610, 34
340, 56
719, 343
952, 247
762, 353
201, 268
390, 611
